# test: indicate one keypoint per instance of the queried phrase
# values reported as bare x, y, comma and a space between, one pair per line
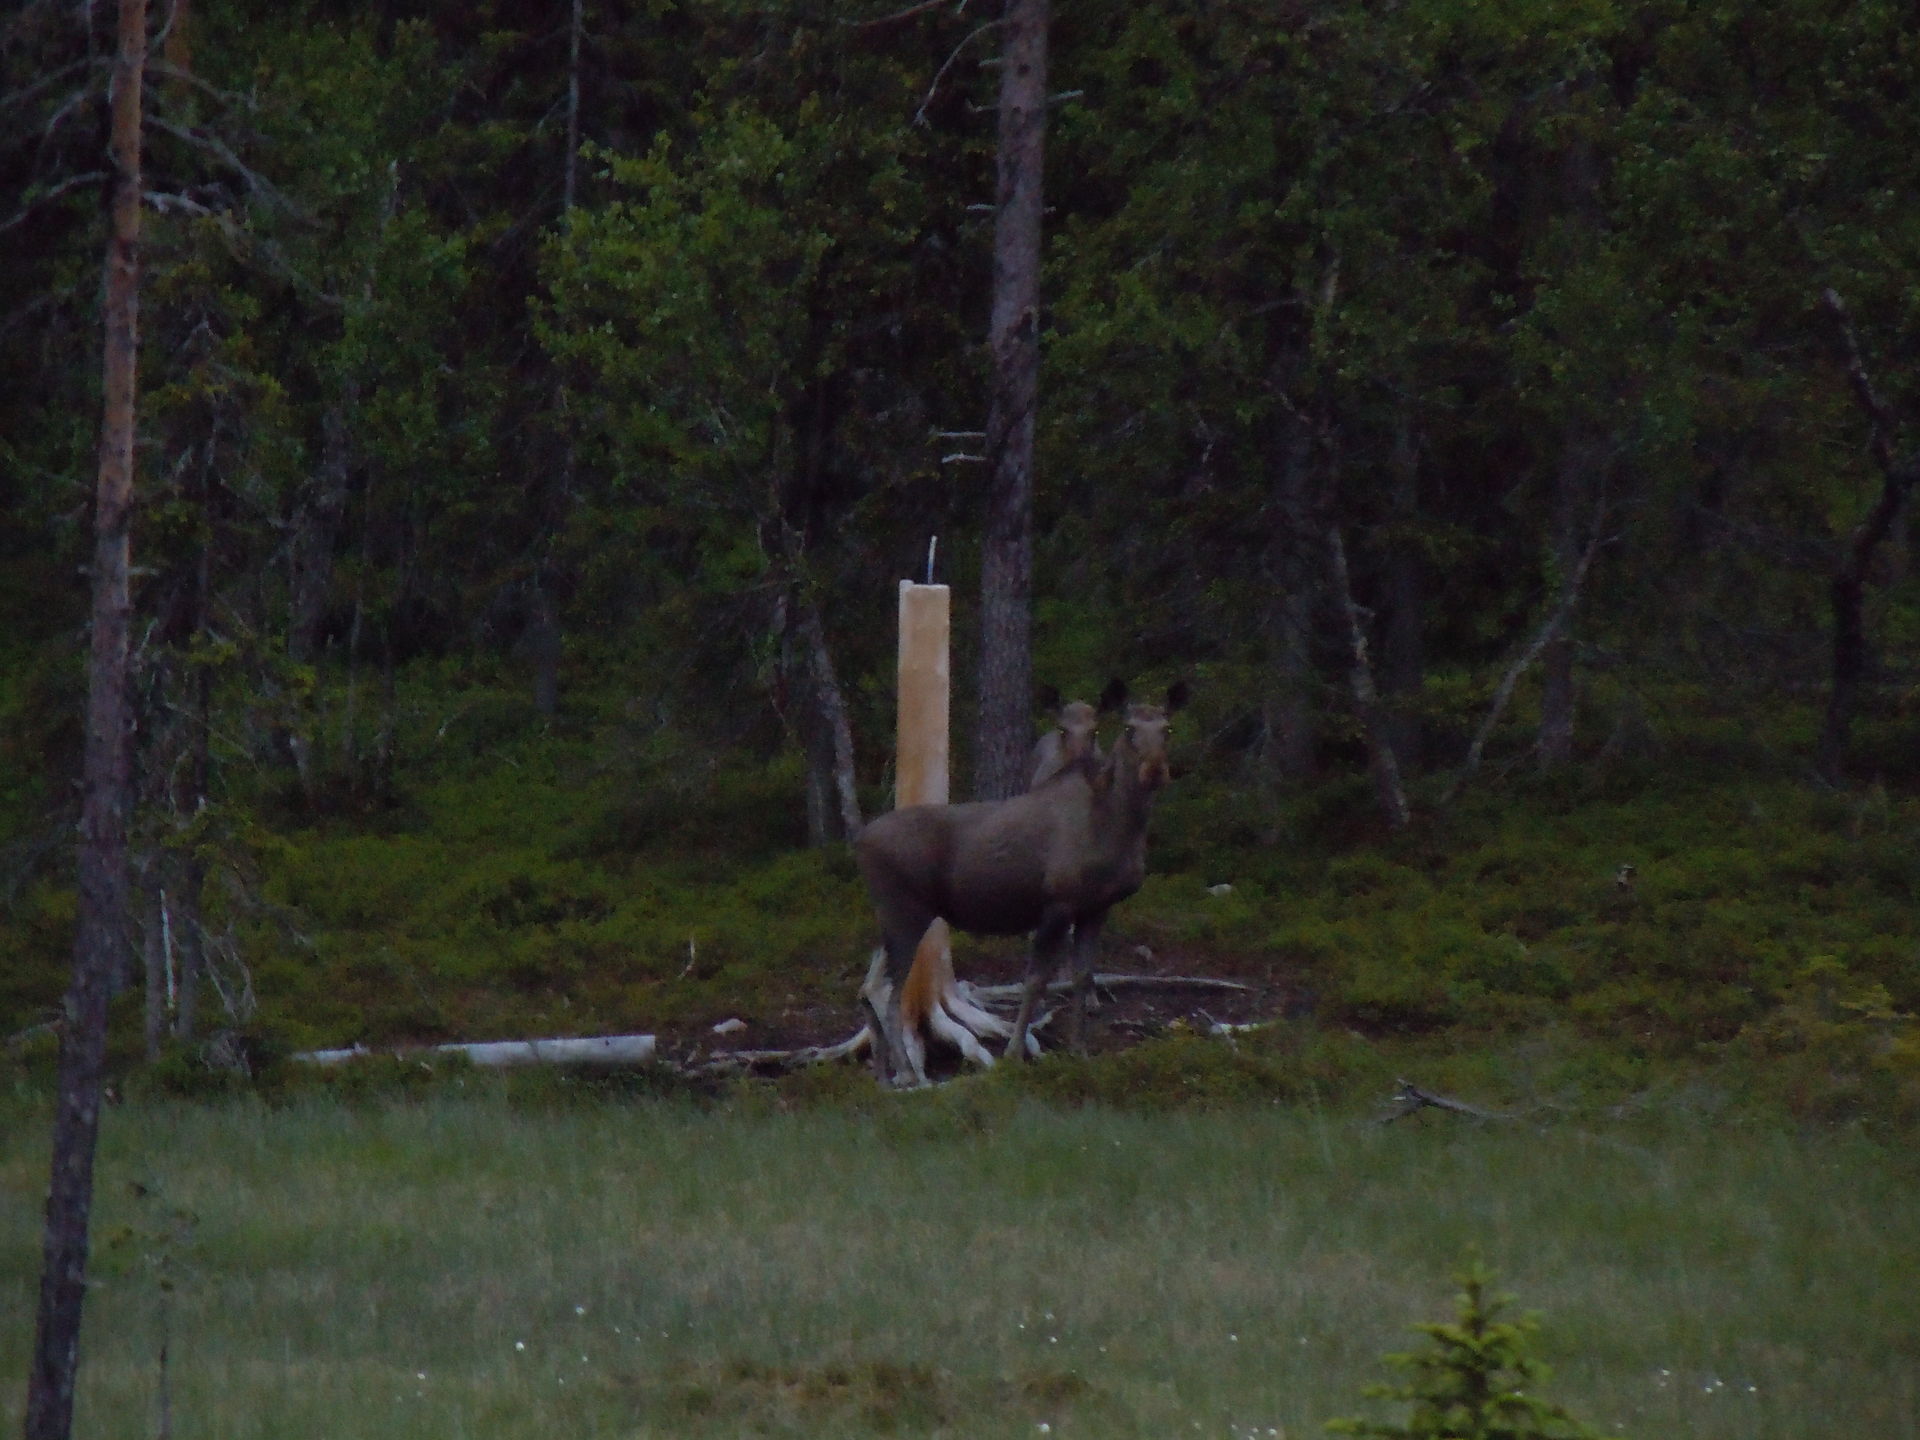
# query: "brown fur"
1052, 862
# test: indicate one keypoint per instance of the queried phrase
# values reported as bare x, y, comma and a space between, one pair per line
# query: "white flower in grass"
519, 1344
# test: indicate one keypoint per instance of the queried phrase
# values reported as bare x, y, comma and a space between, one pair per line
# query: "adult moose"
1071, 741
1051, 862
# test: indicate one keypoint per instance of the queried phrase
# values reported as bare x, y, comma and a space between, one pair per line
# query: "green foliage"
1188, 1071
1836, 1045
786, 1262
1473, 1381
1392, 265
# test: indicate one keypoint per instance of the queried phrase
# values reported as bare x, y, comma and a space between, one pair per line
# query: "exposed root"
962, 1017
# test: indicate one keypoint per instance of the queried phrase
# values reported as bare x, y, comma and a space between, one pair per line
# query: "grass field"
967, 1264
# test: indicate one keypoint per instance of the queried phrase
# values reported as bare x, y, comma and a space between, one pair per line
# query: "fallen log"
1412, 1098
494, 1054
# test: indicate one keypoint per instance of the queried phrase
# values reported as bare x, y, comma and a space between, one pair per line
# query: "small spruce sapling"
1473, 1382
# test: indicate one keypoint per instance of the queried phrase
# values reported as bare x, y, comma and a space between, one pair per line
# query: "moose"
1071, 741
1051, 863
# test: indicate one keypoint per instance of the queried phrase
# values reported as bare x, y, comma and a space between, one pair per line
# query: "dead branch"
1880, 417
165, 203
899, 16
52, 81
736, 1060
255, 181
20, 1038
53, 192
187, 77
1121, 982
1366, 698
1569, 597
920, 115
1410, 1098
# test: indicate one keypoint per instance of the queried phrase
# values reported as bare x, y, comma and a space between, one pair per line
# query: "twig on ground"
1410, 1098
1122, 982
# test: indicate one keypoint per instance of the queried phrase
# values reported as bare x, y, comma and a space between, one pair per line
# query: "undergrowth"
1702, 905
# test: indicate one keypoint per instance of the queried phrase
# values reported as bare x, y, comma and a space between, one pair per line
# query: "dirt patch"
1123, 1015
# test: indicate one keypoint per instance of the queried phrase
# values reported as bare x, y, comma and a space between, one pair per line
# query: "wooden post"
920, 769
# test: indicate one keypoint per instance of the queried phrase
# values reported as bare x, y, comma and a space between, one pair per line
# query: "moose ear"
1048, 697
1113, 697
1176, 697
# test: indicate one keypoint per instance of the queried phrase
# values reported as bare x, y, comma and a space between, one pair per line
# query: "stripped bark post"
932, 1001
101, 929
921, 778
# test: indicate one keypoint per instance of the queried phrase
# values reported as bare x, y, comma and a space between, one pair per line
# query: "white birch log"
593, 1050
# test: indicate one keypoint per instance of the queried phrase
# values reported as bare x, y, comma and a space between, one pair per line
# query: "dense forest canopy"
590, 348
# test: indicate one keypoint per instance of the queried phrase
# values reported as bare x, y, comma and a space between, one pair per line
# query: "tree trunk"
1002, 727
826, 733
1403, 663
193, 870
316, 528
153, 951
544, 648
1558, 691
1847, 594
576, 26
1848, 589
1292, 736
1366, 699
101, 929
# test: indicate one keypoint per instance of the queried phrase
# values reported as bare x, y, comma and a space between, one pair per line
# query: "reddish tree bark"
1003, 729
101, 930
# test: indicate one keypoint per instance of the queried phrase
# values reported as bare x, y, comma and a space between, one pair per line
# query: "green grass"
966, 1263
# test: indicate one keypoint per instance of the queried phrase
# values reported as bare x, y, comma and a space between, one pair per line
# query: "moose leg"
1040, 966
1086, 945
900, 934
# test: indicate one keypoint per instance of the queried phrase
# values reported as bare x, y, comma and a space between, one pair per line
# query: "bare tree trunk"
544, 642
1503, 693
1403, 666
1558, 691
544, 646
193, 870
316, 528
153, 951
1381, 760
1292, 734
828, 721
822, 727
101, 929
1848, 588
1002, 726
576, 26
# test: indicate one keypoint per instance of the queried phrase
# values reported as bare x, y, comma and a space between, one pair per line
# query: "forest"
1454, 393
1499, 417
